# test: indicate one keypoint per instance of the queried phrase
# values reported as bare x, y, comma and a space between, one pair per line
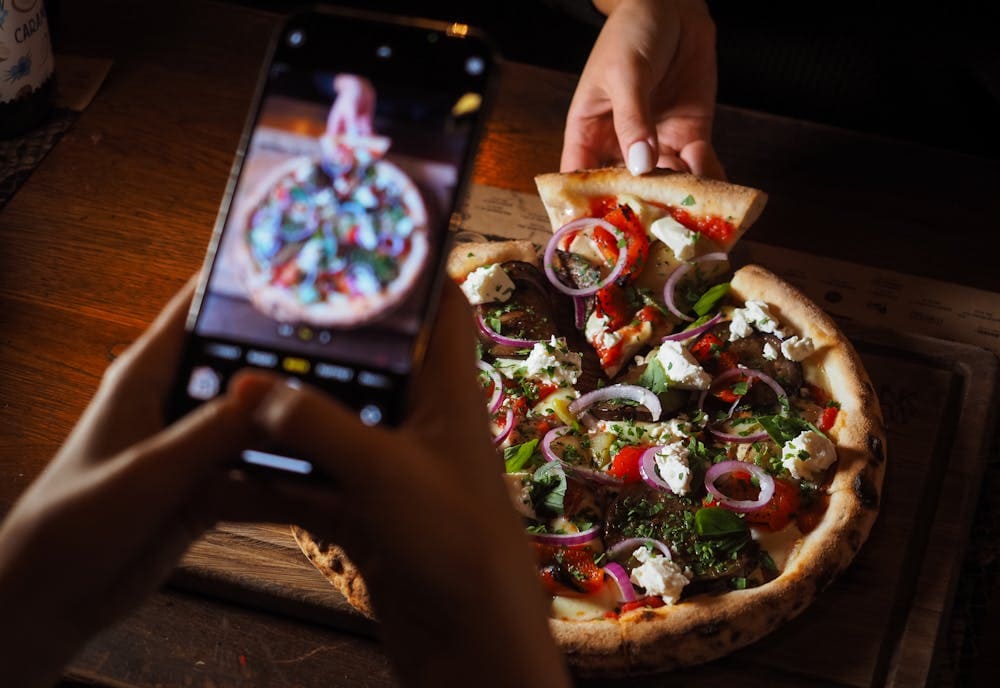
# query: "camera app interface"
336, 224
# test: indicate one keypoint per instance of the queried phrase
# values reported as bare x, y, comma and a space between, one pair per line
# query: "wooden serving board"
881, 623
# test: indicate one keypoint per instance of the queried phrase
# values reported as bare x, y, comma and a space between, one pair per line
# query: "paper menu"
848, 291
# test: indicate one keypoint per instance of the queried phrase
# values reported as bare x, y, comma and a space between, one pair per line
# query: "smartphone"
327, 254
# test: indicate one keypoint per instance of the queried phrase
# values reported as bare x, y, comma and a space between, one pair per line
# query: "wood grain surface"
117, 218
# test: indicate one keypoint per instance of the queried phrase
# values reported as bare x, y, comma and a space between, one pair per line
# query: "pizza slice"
619, 239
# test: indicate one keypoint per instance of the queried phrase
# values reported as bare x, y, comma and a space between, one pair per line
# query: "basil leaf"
688, 200
708, 300
716, 522
548, 488
518, 456
654, 377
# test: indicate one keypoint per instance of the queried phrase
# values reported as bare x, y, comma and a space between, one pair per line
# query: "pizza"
695, 454
333, 241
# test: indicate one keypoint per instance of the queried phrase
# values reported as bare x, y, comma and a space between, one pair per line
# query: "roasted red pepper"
625, 465
829, 418
568, 570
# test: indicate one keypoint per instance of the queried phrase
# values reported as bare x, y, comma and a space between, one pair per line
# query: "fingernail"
640, 158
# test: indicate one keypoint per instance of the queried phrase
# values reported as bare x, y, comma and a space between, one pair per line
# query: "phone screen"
326, 253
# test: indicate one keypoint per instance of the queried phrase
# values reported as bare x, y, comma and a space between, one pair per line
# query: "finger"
670, 160
633, 119
701, 158
576, 155
306, 423
162, 471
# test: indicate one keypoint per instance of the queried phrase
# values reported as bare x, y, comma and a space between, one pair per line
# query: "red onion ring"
580, 224
566, 540
647, 469
694, 332
493, 405
508, 425
764, 479
634, 393
680, 271
738, 439
579, 312
499, 338
725, 377
583, 473
617, 573
630, 545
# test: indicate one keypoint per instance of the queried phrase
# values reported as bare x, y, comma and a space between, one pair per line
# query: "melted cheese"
779, 544
585, 608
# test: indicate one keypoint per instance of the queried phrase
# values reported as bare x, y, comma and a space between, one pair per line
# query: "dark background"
918, 71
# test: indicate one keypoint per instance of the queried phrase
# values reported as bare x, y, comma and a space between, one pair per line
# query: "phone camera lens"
474, 66
296, 38
384, 52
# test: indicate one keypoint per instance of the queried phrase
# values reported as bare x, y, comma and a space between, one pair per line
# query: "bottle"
27, 84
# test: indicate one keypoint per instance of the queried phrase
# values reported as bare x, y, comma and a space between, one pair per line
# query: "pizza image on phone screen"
337, 238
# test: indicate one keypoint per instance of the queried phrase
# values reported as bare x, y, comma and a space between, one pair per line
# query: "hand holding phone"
327, 249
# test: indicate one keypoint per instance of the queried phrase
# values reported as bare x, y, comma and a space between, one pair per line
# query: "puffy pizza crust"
567, 196
467, 256
330, 560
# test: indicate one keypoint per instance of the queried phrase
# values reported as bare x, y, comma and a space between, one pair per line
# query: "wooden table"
118, 215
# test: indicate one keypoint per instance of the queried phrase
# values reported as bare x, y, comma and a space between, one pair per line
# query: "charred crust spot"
876, 447
708, 629
648, 615
337, 565
865, 491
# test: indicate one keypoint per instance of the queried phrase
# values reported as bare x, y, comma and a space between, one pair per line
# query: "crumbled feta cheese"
310, 255
672, 464
797, 348
365, 196
658, 575
583, 246
669, 431
608, 339
770, 351
681, 368
739, 326
757, 314
808, 455
595, 326
554, 363
487, 285
679, 238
